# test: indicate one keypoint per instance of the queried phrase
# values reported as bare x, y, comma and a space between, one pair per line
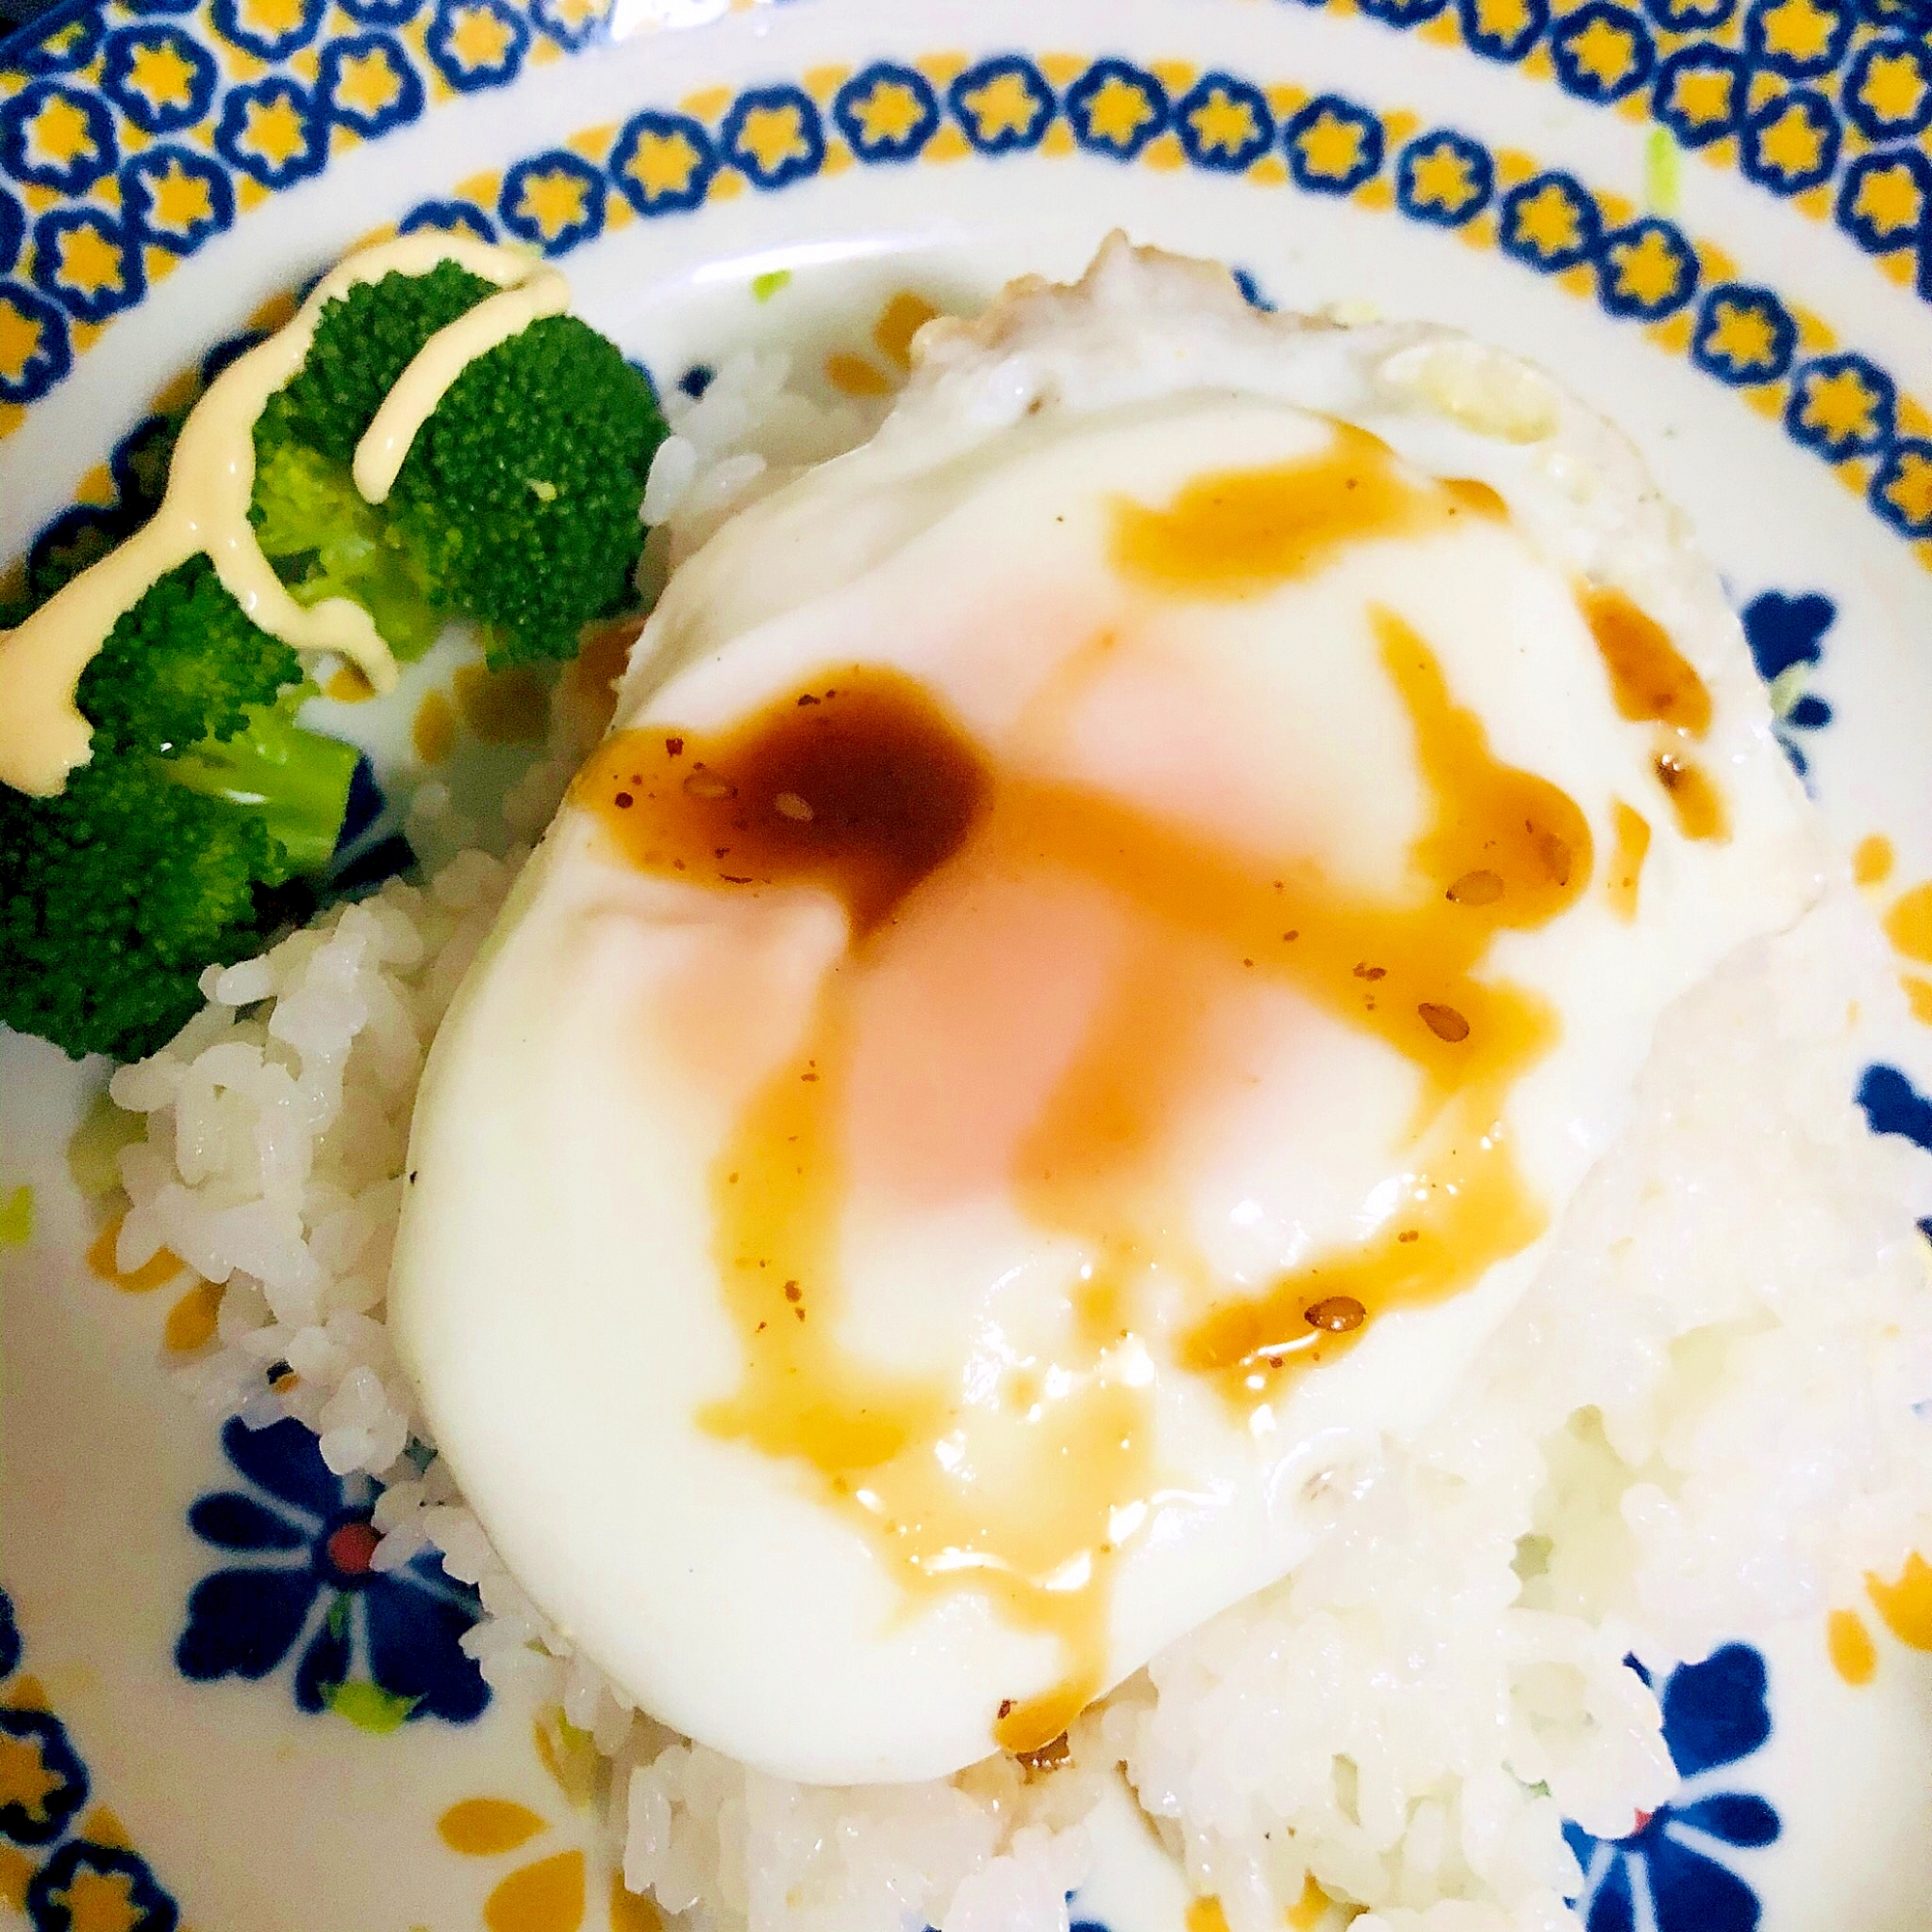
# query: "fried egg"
1108, 924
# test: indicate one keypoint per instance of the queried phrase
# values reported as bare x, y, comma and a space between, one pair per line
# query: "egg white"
554, 1297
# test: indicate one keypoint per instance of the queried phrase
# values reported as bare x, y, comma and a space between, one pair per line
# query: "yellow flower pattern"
1841, 406
1332, 146
773, 135
1503, 21
60, 133
1890, 199
1549, 221
1002, 106
88, 260
1703, 96
159, 73
889, 113
181, 199
368, 82
481, 38
1798, 29
1119, 109
1893, 88
1443, 179
1742, 336
20, 339
1224, 123
273, 130
552, 202
1604, 52
664, 163
1909, 490
26, 1779
97, 1901
1791, 143
1647, 270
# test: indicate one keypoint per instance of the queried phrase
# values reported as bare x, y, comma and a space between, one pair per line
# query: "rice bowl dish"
1367, 1654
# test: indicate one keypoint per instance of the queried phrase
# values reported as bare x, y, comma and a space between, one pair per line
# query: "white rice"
743, 437
1701, 1421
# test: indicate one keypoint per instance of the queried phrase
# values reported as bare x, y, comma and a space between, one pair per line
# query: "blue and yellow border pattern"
132, 131
1638, 267
65, 1864
1824, 103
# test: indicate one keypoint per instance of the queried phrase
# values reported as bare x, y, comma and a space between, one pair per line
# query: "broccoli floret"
324, 541
517, 506
294, 782
523, 491
186, 838
184, 663
182, 841
363, 342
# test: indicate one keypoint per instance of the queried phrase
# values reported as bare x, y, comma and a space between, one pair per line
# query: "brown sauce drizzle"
595, 672
861, 785
1654, 683
858, 786
1625, 878
1651, 679
1467, 1204
1240, 532
1699, 805
894, 789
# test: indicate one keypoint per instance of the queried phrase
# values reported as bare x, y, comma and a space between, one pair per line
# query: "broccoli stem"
297, 782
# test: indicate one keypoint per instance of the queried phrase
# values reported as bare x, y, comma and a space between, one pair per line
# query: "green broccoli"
204, 814
178, 843
517, 506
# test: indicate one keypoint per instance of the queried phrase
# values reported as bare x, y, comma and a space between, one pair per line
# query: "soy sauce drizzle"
1653, 682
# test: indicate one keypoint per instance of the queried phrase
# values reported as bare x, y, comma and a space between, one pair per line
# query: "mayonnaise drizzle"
42, 736
386, 444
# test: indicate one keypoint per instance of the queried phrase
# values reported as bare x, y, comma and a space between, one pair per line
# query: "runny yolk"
863, 787
1653, 682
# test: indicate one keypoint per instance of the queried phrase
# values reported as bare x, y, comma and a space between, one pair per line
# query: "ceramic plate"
1713, 218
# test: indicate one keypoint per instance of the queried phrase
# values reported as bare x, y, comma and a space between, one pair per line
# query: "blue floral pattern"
1678, 1869
1786, 636
381, 1647
1893, 1105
